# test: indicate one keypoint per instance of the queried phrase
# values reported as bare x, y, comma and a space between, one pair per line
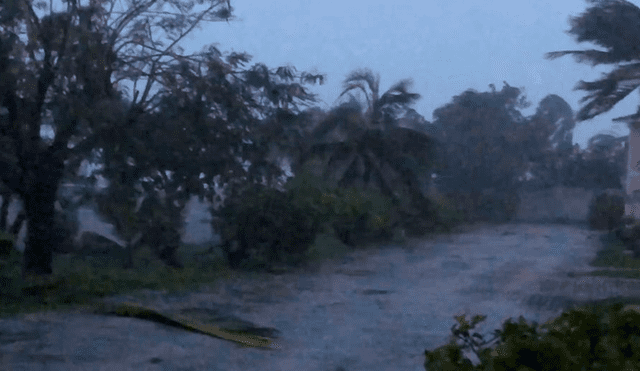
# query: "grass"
80, 281
77, 282
612, 256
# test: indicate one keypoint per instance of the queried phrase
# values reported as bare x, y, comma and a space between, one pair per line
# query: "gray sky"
445, 47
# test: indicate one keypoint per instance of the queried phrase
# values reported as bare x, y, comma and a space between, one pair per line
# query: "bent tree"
612, 25
370, 149
62, 68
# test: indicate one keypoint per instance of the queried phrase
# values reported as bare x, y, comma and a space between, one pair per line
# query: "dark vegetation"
606, 212
362, 173
602, 335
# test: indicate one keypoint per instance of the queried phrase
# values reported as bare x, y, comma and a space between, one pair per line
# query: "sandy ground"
368, 310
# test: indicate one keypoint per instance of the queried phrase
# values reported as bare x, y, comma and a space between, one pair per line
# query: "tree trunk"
38, 252
39, 195
131, 246
4, 210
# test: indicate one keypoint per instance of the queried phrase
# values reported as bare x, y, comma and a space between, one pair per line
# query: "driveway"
368, 310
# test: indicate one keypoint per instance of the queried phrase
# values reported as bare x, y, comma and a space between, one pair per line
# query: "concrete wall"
558, 203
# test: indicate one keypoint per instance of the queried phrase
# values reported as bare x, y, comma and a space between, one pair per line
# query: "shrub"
360, 216
606, 212
418, 215
266, 227
354, 215
592, 337
448, 215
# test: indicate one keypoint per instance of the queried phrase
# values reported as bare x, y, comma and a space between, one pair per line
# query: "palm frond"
310, 78
593, 57
286, 73
614, 25
630, 119
608, 91
365, 74
349, 87
402, 99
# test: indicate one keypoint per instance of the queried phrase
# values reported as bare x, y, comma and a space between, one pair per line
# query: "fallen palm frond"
185, 322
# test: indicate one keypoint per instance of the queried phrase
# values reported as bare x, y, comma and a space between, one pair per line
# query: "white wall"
14, 208
197, 228
571, 204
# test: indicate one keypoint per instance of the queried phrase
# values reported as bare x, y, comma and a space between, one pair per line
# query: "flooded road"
368, 310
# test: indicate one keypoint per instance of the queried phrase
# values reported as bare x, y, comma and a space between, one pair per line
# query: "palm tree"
370, 150
614, 25
379, 109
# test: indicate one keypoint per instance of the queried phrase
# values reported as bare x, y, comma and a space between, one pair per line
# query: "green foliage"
358, 216
606, 212
482, 139
355, 215
449, 215
265, 227
75, 282
590, 337
418, 215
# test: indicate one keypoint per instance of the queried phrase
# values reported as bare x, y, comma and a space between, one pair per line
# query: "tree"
204, 127
381, 110
613, 25
602, 164
71, 59
482, 137
546, 142
285, 134
369, 150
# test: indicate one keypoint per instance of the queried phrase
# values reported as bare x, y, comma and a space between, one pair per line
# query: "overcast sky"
445, 47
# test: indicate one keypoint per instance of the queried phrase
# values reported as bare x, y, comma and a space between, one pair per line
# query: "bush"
354, 215
606, 212
265, 228
418, 215
593, 337
447, 213
360, 216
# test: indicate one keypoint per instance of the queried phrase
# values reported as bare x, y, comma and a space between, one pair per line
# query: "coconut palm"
615, 26
379, 108
349, 148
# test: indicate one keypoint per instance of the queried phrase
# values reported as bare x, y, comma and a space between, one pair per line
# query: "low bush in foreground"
592, 337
